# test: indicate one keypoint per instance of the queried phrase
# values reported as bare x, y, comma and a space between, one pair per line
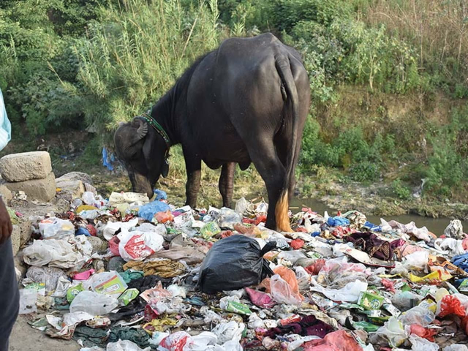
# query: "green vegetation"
388, 78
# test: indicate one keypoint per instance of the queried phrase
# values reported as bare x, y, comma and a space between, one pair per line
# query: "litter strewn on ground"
128, 273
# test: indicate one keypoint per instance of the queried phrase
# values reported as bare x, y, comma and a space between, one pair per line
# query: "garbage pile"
130, 273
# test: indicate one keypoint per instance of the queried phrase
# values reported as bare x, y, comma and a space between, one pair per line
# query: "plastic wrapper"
28, 299
47, 275
109, 283
419, 315
233, 263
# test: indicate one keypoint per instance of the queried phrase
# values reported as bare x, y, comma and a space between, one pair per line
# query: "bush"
400, 190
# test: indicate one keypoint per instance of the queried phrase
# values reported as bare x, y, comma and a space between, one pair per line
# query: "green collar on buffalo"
152, 122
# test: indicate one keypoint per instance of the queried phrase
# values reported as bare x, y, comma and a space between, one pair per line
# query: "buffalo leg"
226, 181
273, 173
193, 167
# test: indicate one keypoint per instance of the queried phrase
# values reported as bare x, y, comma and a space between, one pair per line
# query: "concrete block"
25, 166
37, 189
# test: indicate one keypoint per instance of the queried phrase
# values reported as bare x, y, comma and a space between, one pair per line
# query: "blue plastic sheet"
107, 159
336, 221
150, 209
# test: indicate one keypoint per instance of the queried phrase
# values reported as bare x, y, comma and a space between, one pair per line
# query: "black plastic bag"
234, 263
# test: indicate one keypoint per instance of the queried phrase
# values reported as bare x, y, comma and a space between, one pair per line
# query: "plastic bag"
55, 253
150, 209
393, 331
128, 197
47, 275
227, 218
136, 245
112, 227
303, 278
125, 345
228, 331
282, 292
404, 300
201, 342
349, 293
419, 344
174, 342
455, 347
56, 228
417, 260
419, 315
260, 299
233, 263
450, 305
454, 230
93, 303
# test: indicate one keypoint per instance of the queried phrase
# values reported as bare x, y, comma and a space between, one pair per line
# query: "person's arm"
5, 223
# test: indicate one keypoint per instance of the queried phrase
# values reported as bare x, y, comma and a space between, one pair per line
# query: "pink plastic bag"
282, 292
260, 299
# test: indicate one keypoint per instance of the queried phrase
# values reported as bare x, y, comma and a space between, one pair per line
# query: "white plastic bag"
112, 227
55, 253
417, 260
93, 303
349, 293
201, 342
125, 345
56, 228
421, 344
229, 331
393, 331
303, 278
136, 245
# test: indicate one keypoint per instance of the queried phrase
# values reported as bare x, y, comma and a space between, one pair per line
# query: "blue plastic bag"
150, 209
160, 194
336, 221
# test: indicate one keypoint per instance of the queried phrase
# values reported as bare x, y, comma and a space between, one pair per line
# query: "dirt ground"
25, 338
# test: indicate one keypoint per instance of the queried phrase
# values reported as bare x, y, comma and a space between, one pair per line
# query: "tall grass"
439, 30
135, 54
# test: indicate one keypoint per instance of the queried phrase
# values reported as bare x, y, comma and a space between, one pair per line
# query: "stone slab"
74, 187
37, 189
6, 193
25, 166
84, 177
21, 234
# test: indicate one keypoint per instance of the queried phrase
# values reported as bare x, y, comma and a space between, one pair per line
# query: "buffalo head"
143, 153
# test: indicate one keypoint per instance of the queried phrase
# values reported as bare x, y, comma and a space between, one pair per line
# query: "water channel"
435, 225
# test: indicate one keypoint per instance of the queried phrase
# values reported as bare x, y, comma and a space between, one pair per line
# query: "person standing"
9, 295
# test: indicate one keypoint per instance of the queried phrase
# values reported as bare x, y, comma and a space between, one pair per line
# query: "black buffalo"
244, 102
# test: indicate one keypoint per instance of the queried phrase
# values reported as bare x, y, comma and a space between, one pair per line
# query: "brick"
37, 189
6, 193
25, 166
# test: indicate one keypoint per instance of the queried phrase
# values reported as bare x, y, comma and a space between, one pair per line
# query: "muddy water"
435, 225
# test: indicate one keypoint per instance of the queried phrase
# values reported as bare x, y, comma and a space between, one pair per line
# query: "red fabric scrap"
297, 243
